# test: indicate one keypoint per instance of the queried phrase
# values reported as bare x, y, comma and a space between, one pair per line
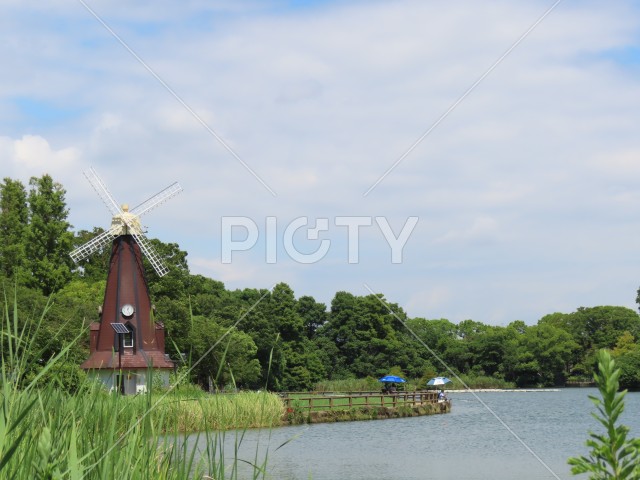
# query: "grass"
349, 385
221, 412
48, 433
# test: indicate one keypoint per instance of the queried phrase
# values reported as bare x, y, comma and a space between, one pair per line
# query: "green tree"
300, 366
629, 364
173, 284
626, 344
627, 357
313, 314
542, 355
256, 318
594, 328
176, 317
365, 331
13, 226
488, 350
471, 328
282, 309
50, 326
223, 355
49, 241
178, 296
438, 334
430, 341
613, 456
520, 365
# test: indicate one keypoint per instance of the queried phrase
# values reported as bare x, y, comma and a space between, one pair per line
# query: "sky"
509, 130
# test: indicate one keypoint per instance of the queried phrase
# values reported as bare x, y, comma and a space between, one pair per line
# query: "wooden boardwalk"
326, 401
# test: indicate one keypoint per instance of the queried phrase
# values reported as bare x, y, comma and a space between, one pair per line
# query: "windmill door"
130, 384
126, 383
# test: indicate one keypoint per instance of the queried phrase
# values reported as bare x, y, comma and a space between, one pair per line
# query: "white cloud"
33, 153
624, 164
537, 166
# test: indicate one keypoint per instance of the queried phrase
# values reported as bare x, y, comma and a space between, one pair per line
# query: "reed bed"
49, 434
222, 411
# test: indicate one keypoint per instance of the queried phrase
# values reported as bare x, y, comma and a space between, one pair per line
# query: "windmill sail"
148, 205
93, 245
102, 191
160, 268
125, 222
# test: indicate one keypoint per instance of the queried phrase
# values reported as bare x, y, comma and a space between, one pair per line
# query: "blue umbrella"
438, 381
392, 379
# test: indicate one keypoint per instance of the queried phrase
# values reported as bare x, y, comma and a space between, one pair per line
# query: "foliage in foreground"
613, 455
49, 433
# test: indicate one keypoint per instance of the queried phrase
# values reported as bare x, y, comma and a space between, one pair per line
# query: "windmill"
126, 343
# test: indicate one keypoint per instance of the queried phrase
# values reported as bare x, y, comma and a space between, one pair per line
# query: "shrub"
612, 455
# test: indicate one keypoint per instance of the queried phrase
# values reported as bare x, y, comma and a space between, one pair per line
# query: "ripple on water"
469, 443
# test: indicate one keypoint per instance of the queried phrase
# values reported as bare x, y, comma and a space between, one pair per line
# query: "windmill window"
127, 339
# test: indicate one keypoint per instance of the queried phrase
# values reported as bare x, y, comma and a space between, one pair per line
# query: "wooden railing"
329, 401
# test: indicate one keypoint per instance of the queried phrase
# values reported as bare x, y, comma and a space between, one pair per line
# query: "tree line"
271, 339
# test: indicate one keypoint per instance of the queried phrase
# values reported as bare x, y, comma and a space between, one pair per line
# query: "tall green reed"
49, 433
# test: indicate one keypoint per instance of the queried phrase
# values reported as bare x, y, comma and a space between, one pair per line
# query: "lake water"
468, 443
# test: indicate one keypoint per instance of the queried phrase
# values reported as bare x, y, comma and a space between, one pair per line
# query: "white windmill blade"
151, 255
94, 244
102, 191
169, 192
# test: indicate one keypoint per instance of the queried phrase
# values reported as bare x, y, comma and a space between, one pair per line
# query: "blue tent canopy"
392, 379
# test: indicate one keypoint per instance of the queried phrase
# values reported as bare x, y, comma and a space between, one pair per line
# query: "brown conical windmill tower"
127, 342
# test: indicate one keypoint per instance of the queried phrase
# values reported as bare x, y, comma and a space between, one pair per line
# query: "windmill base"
130, 382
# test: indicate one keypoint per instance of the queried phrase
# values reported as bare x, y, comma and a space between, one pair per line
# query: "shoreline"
363, 413
501, 390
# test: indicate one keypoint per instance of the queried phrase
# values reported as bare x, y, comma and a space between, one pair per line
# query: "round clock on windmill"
126, 344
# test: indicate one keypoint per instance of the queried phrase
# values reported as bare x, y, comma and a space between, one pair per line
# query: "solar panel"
120, 327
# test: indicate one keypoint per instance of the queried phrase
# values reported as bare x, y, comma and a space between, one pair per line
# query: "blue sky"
526, 193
